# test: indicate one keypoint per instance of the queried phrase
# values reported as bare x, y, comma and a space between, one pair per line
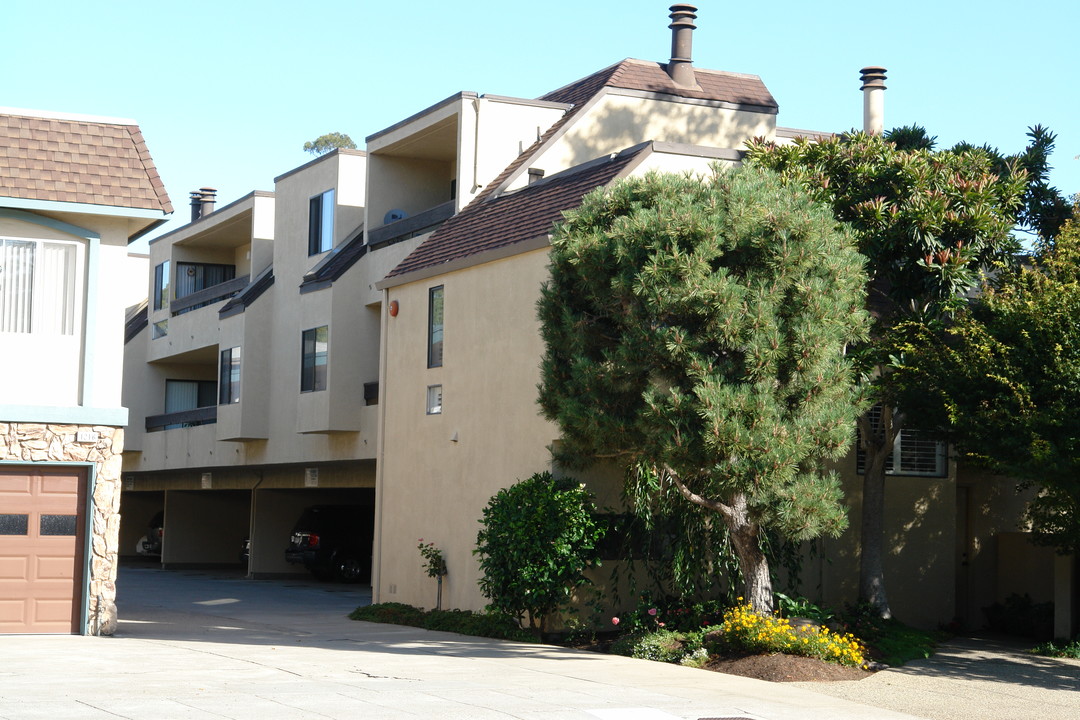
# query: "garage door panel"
52, 611
14, 485
59, 485
14, 615
57, 567
14, 567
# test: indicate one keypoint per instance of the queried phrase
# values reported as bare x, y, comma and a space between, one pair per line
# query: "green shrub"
800, 607
538, 538
1021, 616
893, 642
464, 622
1059, 648
662, 646
492, 625
391, 612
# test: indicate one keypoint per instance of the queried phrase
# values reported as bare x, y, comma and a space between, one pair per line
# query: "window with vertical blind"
914, 453
38, 289
183, 395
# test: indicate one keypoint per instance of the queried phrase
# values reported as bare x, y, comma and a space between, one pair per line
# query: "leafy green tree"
330, 141
539, 537
928, 223
1003, 379
696, 327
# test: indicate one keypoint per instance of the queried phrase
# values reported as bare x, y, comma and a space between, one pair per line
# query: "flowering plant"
751, 631
434, 562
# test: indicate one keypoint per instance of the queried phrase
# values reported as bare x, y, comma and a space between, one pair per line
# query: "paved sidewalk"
972, 679
195, 646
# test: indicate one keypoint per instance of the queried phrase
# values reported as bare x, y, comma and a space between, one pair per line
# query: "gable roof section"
744, 91
68, 158
646, 76
515, 217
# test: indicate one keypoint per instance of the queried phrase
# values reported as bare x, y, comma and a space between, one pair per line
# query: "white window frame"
44, 296
434, 400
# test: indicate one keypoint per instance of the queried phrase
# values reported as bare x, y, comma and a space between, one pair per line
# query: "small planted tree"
330, 141
695, 329
538, 538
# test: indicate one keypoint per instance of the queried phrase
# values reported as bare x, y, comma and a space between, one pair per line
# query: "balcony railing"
182, 418
411, 226
199, 298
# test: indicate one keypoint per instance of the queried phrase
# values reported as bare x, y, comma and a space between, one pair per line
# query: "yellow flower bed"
748, 630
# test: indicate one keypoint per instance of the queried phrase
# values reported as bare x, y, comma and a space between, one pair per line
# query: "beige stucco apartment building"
74, 191
367, 334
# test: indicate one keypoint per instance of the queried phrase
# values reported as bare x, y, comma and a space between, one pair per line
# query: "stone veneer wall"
41, 443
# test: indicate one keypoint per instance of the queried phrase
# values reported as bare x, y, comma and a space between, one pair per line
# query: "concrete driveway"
197, 645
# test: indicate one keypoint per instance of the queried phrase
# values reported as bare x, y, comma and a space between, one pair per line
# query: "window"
229, 377
321, 223
434, 399
914, 453
162, 279
183, 395
193, 277
313, 359
37, 287
435, 327
161, 329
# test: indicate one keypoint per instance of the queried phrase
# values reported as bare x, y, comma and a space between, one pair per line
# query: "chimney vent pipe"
873, 87
680, 67
203, 201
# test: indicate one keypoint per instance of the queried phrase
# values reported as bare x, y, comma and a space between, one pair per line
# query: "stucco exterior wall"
616, 122
437, 472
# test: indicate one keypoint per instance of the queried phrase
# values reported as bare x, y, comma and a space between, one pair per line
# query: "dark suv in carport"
333, 542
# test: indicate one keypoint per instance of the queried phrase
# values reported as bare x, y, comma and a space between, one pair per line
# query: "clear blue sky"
227, 92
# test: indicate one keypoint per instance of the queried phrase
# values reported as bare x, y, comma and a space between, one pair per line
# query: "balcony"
182, 419
207, 296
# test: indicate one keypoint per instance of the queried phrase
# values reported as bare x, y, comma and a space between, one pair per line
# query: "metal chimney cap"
872, 76
683, 14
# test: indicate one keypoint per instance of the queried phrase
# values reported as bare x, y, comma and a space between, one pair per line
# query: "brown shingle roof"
89, 161
642, 75
649, 76
515, 217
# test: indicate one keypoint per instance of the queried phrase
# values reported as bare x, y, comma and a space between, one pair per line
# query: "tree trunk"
744, 533
877, 443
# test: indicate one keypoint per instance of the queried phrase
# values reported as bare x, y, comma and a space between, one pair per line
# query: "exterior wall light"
393, 308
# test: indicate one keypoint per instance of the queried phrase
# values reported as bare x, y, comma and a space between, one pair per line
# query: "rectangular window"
313, 359
914, 453
162, 280
434, 399
321, 223
183, 395
435, 327
229, 377
37, 287
161, 329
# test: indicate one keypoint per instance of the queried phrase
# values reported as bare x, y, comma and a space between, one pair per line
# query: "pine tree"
696, 328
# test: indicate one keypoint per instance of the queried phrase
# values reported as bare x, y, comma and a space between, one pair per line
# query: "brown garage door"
41, 549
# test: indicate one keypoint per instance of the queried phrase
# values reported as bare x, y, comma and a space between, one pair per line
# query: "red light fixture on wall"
393, 308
